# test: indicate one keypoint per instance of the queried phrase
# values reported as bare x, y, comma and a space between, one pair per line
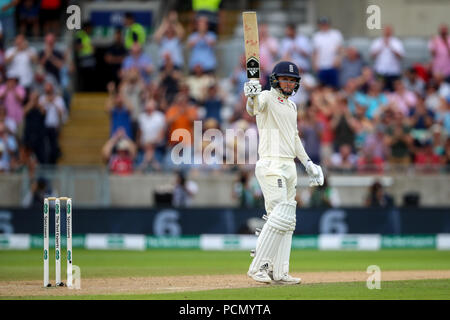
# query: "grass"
27, 265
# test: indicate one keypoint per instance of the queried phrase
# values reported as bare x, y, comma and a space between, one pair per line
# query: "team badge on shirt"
281, 100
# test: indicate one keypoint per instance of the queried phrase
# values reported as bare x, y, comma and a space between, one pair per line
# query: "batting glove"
252, 88
315, 174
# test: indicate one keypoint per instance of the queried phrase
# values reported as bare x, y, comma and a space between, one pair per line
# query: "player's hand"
252, 88
315, 174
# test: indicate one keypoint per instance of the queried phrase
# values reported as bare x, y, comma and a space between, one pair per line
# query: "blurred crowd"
34, 104
354, 115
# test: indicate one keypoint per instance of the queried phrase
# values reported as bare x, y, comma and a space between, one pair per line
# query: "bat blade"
251, 42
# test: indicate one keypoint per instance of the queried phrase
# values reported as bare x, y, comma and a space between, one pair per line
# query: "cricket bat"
251, 41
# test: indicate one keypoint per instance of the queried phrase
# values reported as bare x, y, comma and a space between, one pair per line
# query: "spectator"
364, 81
8, 18
243, 128
55, 116
308, 84
376, 143
66, 76
8, 149
443, 116
151, 134
13, 95
363, 127
211, 11
348, 92
169, 79
34, 130
402, 99
296, 48
40, 79
437, 139
351, 66
323, 100
324, 196
268, 49
432, 99
119, 153
344, 160
213, 104
198, 83
201, 45
378, 198
134, 32
374, 101
310, 131
132, 90
119, 109
85, 58
444, 87
114, 57
29, 17
439, 47
20, 59
139, 60
51, 11
399, 140
169, 36
388, 52
209, 153
343, 125
181, 115
327, 54
239, 77
374, 152
40, 189
9, 122
420, 117
425, 159
51, 59
247, 191
184, 191
369, 163
2, 47
446, 157
413, 82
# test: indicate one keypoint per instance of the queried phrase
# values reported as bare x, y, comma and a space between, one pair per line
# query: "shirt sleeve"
314, 42
250, 106
9, 52
304, 44
300, 150
375, 46
398, 46
257, 104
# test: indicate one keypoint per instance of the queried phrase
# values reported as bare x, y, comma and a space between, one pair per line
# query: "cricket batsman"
279, 145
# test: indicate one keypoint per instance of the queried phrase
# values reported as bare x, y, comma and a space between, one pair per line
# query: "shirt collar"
277, 93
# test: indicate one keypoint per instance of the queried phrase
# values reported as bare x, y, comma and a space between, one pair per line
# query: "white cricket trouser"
278, 179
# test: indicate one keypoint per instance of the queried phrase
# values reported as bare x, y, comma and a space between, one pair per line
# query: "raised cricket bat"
251, 41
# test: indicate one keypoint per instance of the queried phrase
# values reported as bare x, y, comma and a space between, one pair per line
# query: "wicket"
58, 240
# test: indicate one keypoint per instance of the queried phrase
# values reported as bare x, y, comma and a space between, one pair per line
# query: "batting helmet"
287, 69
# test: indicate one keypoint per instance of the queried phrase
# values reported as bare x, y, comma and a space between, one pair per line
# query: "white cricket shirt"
276, 119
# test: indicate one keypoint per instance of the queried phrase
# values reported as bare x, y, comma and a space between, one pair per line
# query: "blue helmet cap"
286, 69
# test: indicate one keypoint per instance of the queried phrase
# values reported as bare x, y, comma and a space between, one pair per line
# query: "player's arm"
314, 171
252, 90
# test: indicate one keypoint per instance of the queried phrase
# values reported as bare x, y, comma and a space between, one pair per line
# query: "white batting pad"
281, 260
280, 221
